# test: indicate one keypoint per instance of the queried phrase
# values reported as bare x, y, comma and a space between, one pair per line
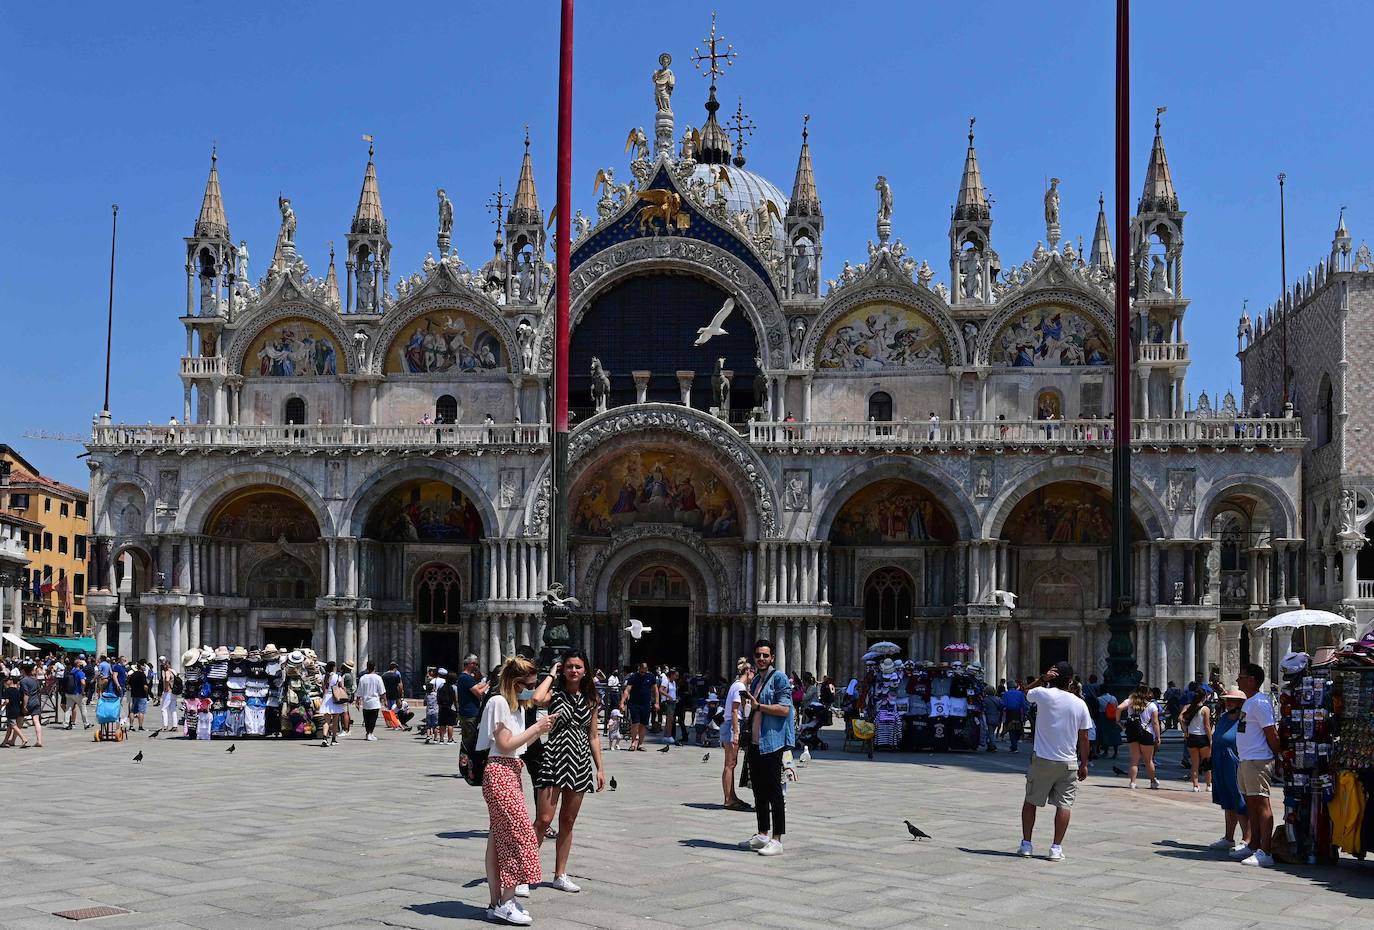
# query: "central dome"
747, 191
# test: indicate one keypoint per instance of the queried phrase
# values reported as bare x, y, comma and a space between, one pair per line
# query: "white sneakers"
372, 737
509, 913
771, 848
756, 842
1056, 853
1241, 852
522, 891
563, 883
1260, 858
1024, 851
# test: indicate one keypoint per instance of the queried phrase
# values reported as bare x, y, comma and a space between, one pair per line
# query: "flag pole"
109, 317
556, 638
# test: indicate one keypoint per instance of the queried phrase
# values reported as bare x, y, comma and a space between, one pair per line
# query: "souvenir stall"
910, 707
236, 693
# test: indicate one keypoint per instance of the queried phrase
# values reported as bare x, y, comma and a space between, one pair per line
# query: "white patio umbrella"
1294, 619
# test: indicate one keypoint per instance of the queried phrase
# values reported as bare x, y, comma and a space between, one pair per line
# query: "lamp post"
1121, 674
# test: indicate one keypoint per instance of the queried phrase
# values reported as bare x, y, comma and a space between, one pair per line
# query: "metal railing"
327, 436
1093, 433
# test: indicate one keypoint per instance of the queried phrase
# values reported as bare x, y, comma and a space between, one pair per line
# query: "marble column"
331, 637
1190, 652
809, 653
1003, 670
178, 637
350, 637
794, 646
155, 619
494, 651
824, 630
779, 638
1161, 654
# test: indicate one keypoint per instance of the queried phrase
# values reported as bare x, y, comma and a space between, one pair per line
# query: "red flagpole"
558, 503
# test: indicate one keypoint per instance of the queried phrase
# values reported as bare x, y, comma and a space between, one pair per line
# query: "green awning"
84, 644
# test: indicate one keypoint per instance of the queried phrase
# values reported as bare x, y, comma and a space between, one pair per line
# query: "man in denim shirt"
769, 704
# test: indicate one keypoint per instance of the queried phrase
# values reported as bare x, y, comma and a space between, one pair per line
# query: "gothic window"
295, 411
446, 409
438, 594
880, 407
888, 598
283, 580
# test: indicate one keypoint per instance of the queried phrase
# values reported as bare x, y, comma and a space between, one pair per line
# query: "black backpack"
178, 686
69, 681
472, 762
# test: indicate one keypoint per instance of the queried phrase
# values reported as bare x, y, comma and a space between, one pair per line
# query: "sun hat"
221, 652
270, 651
442, 673
349, 664
309, 653
295, 658
240, 652
206, 654
190, 657
1233, 695
712, 697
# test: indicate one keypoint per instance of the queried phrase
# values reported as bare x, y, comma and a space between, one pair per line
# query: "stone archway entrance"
661, 598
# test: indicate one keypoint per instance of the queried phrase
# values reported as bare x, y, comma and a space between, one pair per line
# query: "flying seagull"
231, 748
139, 757
636, 629
712, 329
917, 834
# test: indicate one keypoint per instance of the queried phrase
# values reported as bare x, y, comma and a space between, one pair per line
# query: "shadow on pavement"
463, 835
989, 852
459, 910
709, 844
703, 806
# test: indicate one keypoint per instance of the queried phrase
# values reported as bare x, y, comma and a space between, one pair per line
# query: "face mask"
526, 695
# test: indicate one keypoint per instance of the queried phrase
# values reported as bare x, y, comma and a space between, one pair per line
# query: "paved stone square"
290, 835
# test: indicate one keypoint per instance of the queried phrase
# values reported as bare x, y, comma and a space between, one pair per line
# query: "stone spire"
1102, 240
1159, 195
368, 219
973, 200
211, 223
331, 283
805, 201
525, 208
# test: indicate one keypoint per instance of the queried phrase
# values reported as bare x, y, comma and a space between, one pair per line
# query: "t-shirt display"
235, 693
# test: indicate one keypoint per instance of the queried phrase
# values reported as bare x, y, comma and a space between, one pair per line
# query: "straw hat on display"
190, 657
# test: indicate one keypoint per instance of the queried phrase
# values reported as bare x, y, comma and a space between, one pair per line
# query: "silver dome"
747, 190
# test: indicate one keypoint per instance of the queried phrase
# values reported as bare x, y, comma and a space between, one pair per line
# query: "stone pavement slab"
286, 834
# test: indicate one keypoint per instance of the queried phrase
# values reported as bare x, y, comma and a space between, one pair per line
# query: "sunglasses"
763, 655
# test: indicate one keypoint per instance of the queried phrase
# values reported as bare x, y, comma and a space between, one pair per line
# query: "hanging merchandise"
234, 693
935, 707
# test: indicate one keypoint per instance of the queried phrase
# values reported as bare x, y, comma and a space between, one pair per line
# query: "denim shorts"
138, 705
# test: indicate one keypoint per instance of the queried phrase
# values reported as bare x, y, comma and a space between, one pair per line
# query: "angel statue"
605, 182
242, 271
884, 200
765, 211
288, 220
639, 142
581, 225
664, 82
720, 182
691, 143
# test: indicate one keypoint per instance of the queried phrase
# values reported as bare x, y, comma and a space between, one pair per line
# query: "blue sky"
110, 102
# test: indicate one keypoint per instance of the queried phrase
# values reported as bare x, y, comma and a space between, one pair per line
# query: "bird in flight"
713, 328
917, 834
636, 629
139, 757
231, 747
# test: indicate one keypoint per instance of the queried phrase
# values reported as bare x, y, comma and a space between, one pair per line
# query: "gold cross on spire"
741, 125
713, 54
497, 203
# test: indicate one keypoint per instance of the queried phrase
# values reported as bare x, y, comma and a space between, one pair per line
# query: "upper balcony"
201, 365
959, 435
1162, 353
320, 437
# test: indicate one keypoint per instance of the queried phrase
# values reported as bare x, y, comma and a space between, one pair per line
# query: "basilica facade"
774, 434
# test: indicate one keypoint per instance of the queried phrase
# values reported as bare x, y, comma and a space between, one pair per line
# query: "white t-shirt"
370, 690
731, 702
1149, 717
496, 712
1059, 716
1255, 714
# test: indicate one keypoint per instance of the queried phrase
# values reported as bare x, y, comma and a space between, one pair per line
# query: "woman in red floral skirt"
512, 847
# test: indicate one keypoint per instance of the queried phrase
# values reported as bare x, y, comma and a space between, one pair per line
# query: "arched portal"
660, 597
649, 322
889, 597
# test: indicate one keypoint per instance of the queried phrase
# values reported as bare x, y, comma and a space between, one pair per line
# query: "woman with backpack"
512, 845
169, 683
1196, 721
1141, 728
572, 755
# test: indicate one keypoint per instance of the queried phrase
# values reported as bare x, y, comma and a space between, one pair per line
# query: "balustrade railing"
288, 436
1163, 352
1364, 589
204, 365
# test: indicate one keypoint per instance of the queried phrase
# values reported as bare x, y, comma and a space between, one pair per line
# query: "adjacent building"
861, 451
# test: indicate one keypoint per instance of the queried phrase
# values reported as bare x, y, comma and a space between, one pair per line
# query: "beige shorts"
1051, 782
1255, 777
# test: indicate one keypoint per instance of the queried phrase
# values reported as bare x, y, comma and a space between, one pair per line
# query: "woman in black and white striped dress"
572, 755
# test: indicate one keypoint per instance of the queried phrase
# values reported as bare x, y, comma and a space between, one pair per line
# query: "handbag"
339, 693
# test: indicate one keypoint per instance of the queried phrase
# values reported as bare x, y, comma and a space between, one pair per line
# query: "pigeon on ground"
231, 747
139, 757
806, 755
917, 834
706, 758
612, 782
153, 735
665, 748
1120, 771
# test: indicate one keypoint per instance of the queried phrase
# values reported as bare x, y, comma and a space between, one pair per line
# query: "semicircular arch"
206, 497
246, 337
921, 302
950, 493
610, 572
408, 313
676, 255
1096, 313
359, 507
1145, 504
1267, 492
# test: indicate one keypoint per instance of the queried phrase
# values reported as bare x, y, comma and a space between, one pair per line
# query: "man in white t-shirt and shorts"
1059, 760
1257, 745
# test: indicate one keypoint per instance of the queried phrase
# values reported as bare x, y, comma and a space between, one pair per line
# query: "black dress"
567, 757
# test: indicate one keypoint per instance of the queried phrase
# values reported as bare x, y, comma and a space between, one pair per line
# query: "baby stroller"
814, 716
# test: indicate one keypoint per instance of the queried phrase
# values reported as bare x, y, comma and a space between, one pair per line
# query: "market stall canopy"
84, 644
1294, 619
19, 643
